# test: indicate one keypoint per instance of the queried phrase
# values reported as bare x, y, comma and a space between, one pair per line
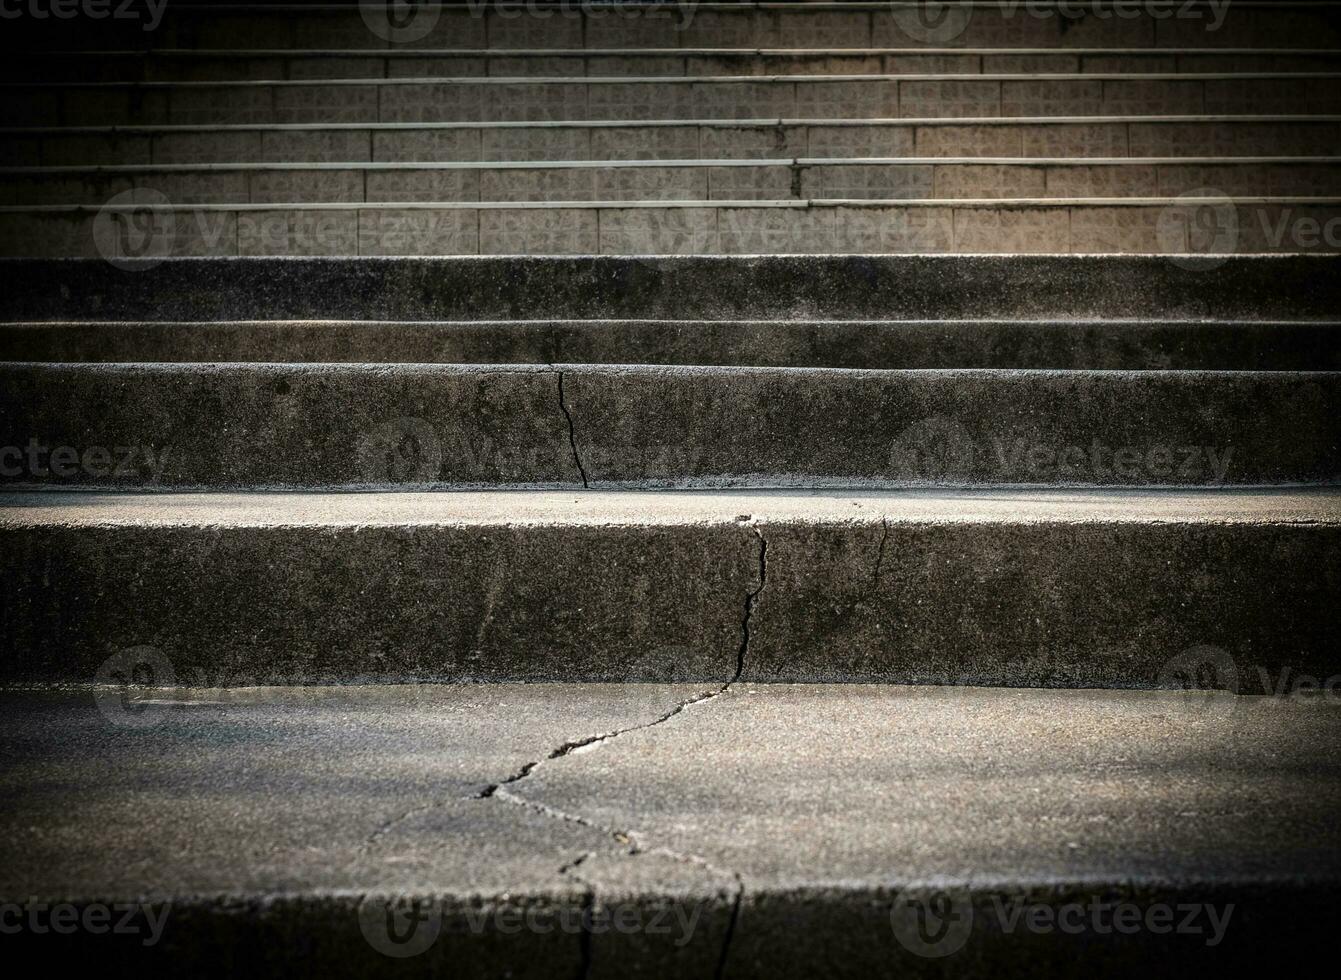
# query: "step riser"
352, 64
327, 930
689, 142
673, 288
474, 101
693, 183
1169, 228
999, 603
864, 344
334, 426
693, 25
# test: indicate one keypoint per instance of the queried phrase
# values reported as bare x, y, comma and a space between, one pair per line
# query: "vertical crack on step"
588, 906
743, 652
572, 435
627, 840
880, 555
584, 935
731, 921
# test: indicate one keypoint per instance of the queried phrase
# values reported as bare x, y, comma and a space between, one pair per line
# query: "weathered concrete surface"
245, 426
704, 287
672, 426
795, 821
278, 822
288, 426
162, 65
660, 26
879, 344
827, 801
1025, 588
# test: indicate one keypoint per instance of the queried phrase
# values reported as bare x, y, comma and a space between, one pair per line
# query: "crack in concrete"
628, 839
731, 922
588, 907
750, 598
572, 435
742, 653
630, 847
880, 555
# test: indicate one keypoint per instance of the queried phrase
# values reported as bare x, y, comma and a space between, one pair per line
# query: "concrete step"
1030, 588
812, 287
1201, 227
1130, 136
879, 344
243, 426
628, 99
686, 180
158, 65
691, 25
741, 834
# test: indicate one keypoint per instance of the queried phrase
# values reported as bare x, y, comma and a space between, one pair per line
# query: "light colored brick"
1102, 181
302, 186
1012, 230
296, 232
556, 184
421, 231
548, 231
645, 143
658, 231
894, 230
423, 185
971, 181
766, 230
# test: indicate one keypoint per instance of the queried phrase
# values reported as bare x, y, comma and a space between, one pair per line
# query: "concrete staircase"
396, 583
674, 128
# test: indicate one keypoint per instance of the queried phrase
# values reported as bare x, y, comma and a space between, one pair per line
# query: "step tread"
994, 203
409, 52
911, 161
612, 508
998, 789
681, 79
134, 128
1306, 344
